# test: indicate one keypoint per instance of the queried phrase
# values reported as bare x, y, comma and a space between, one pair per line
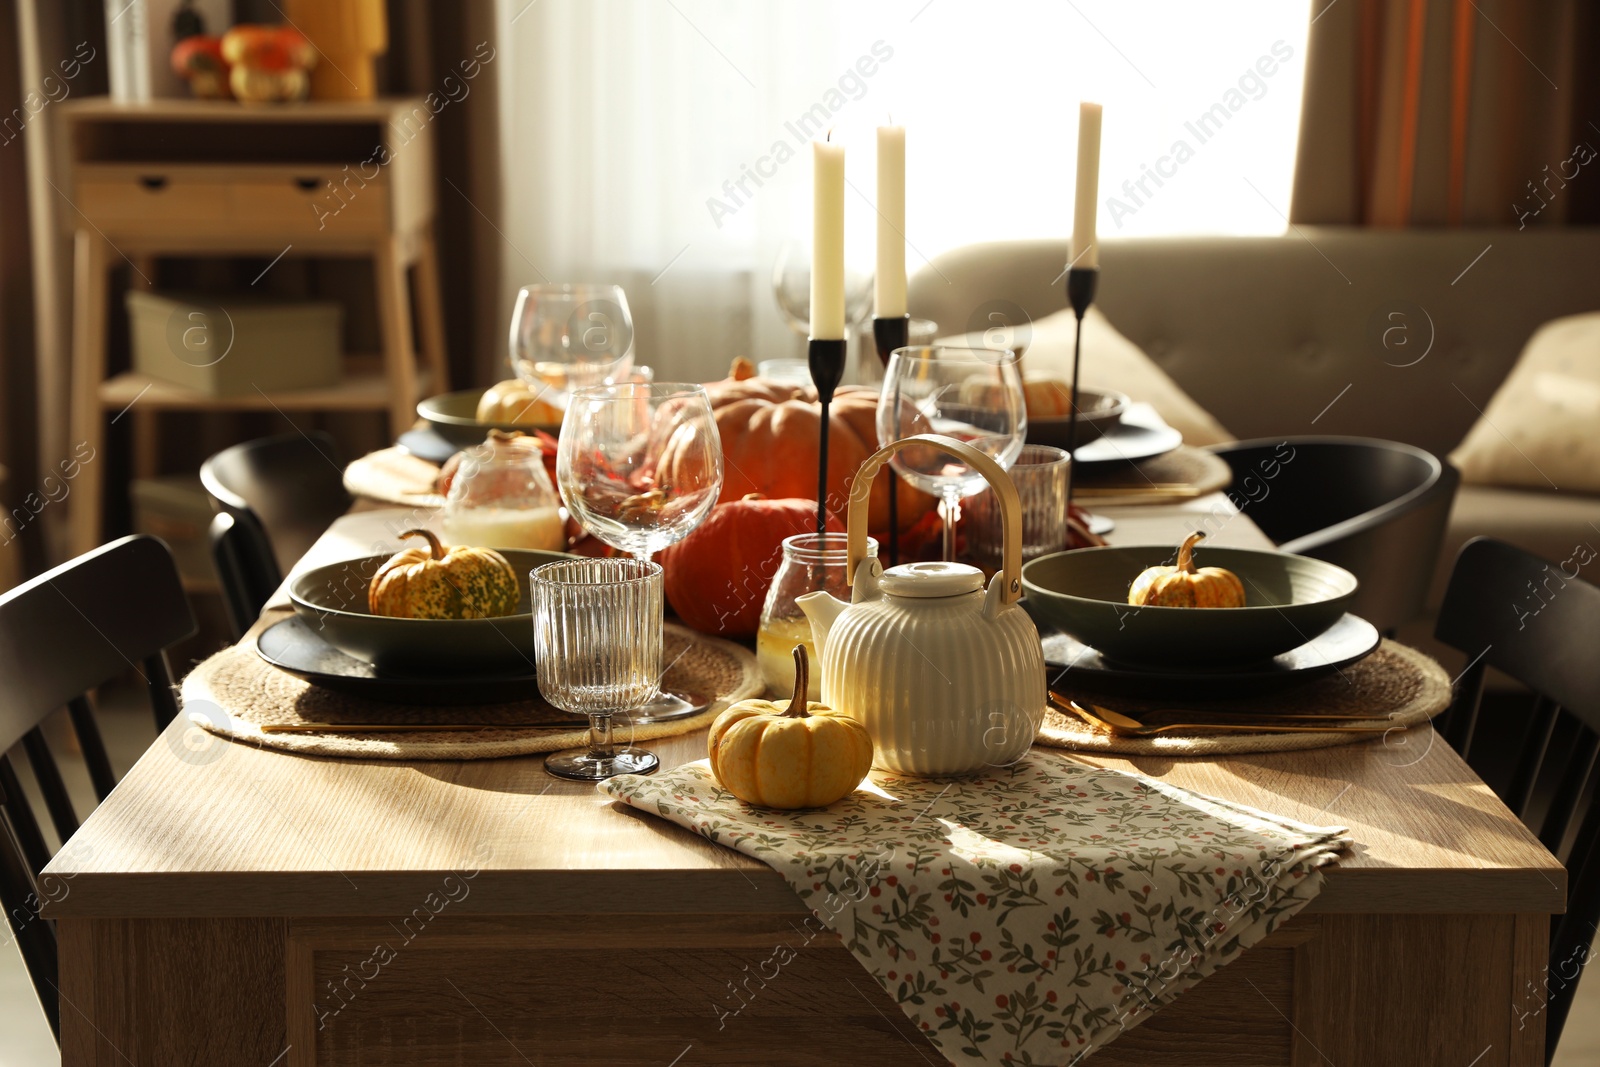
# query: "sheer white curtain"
659, 144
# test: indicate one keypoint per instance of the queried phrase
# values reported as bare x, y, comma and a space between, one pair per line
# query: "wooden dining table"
235, 905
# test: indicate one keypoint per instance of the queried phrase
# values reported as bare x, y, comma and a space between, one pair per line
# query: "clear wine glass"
640, 466
565, 337
971, 394
597, 639
791, 287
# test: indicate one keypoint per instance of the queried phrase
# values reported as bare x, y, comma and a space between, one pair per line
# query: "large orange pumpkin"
716, 579
771, 433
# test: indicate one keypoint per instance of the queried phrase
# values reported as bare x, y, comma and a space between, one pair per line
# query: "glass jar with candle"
501, 497
810, 562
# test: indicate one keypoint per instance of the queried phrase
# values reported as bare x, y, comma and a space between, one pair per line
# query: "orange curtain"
1445, 113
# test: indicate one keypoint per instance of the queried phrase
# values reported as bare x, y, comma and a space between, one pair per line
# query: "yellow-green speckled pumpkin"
432, 583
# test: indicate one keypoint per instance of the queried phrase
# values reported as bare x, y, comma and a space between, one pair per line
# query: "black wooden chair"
63, 634
246, 567
275, 496
1376, 508
1539, 623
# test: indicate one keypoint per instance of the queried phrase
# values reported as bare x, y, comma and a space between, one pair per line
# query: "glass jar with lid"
500, 496
810, 562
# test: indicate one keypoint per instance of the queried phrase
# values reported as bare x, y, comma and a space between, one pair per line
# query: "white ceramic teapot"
947, 678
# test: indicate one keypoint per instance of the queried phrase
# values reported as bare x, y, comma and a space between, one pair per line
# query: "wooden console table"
208, 178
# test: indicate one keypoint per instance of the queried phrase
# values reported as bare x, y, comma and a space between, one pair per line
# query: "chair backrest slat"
18, 813
163, 695
1535, 744
1460, 722
1536, 621
1569, 790
51, 785
93, 746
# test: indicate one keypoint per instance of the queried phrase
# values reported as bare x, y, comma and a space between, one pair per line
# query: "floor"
25, 1039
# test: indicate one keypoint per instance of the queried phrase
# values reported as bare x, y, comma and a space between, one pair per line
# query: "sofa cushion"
1110, 361
1554, 526
1539, 429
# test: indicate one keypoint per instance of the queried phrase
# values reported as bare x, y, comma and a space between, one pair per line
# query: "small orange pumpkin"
805, 755
1185, 586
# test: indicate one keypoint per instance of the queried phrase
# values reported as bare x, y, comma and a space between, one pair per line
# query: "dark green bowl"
333, 600
454, 416
1289, 600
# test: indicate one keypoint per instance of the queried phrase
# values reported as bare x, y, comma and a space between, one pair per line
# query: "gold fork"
1117, 723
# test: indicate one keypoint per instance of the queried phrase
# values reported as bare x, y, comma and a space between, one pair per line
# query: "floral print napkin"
1030, 915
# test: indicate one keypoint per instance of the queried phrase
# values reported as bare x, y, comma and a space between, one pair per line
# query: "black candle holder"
1081, 283
827, 359
890, 334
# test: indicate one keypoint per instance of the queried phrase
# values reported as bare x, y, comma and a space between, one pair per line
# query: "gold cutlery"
1115, 723
1111, 713
415, 727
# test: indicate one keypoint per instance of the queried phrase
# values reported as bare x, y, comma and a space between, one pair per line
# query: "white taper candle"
1084, 251
827, 241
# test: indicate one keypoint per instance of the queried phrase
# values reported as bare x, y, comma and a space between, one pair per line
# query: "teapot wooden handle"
1005, 493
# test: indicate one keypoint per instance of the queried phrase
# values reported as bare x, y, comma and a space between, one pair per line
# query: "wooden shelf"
233, 111
359, 392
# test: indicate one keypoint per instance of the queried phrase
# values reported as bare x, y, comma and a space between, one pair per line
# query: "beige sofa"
1299, 334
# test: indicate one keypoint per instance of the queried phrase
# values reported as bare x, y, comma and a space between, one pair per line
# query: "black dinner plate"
429, 445
1348, 640
294, 645
1140, 435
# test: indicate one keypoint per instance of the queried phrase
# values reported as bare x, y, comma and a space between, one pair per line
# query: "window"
665, 146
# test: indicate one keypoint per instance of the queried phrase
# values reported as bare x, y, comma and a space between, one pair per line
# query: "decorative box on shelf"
228, 346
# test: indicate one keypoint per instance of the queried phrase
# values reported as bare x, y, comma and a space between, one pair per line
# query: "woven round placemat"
394, 476
1396, 687
235, 692
1191, 471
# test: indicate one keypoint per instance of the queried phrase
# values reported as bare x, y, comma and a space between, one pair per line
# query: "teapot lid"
931, 579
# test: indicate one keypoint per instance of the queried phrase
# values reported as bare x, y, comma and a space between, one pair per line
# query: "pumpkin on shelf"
771, 434
716, 579
1187, 586
433, 583
268, 64
800, 755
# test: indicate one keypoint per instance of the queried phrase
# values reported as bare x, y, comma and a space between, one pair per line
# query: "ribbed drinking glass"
597, 643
